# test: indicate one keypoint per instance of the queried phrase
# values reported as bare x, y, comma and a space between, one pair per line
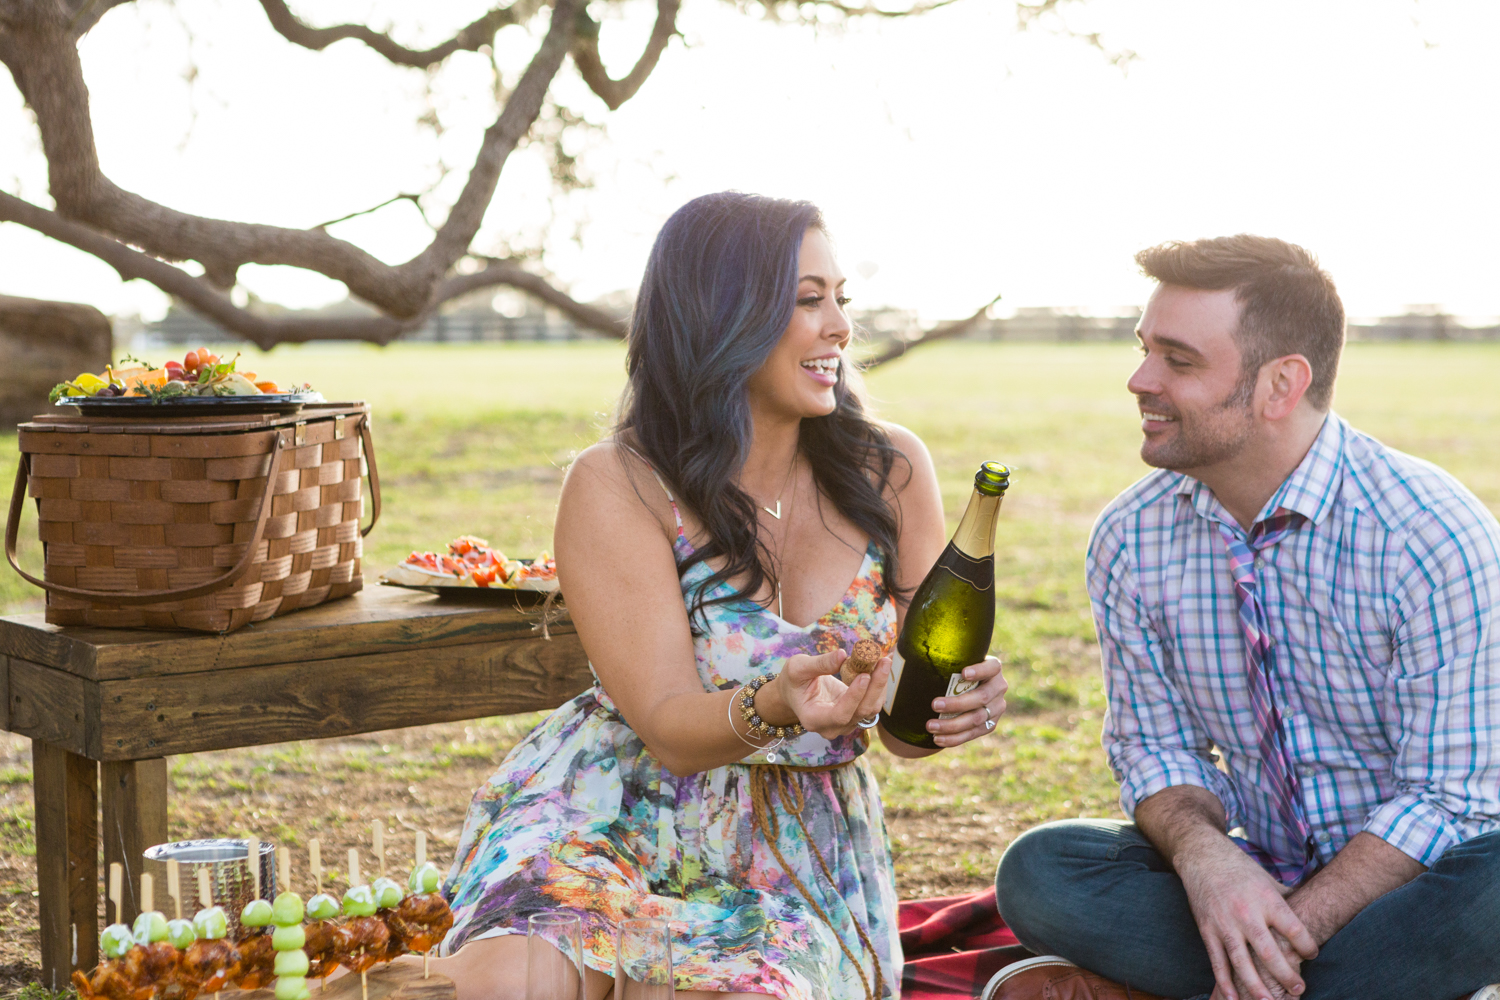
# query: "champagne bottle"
951, 618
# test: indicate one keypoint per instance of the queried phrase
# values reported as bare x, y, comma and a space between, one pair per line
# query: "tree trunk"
42, 344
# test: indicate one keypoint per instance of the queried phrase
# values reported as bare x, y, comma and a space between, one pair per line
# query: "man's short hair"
1288, 304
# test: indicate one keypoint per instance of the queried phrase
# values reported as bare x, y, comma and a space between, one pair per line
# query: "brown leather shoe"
1049, 977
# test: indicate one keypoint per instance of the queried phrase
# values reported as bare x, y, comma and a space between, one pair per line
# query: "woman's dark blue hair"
718, 293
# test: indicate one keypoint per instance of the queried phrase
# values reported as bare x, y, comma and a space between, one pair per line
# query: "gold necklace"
784, 483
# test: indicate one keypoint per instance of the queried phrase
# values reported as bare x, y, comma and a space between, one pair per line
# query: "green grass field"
475, 439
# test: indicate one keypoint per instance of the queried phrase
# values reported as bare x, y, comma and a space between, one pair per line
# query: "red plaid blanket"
953, 946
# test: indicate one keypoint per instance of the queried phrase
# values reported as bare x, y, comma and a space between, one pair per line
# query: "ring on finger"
989, 723
869, 723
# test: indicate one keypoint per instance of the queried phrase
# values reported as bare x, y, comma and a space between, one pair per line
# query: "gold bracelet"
730, 714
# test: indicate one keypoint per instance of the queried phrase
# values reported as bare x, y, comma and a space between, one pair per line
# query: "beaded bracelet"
758, 726
754, 746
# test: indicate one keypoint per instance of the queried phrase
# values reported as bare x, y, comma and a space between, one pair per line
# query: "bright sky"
953, 157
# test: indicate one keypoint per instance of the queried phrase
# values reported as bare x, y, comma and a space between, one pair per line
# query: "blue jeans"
1098, 894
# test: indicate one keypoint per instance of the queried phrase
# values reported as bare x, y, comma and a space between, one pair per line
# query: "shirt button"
1304, 769
1324, 837
1260, 561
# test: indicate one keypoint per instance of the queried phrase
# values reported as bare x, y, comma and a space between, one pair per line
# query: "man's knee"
1033, 881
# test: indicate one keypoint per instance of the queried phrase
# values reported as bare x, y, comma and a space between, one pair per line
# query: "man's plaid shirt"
1385, 610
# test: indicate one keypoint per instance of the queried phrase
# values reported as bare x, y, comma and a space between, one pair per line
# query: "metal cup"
228, 872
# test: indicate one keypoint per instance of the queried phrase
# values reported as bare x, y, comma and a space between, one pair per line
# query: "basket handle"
364, 436
129, 597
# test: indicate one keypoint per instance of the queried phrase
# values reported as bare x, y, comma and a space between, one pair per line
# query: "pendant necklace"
777, 514
790, 469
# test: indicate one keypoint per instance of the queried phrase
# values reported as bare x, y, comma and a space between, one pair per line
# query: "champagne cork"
863, 659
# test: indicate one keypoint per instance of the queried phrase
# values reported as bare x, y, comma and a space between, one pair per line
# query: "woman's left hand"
974, 712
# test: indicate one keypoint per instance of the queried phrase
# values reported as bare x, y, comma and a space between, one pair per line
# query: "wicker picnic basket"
203, 523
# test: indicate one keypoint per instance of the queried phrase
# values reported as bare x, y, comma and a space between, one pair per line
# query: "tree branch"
504, 272
267, 331
774, 8
586, 55
469, 38
944, 331
212, 304
43, 58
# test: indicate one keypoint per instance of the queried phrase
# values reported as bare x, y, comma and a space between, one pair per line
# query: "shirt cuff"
1160, 769
1415, 827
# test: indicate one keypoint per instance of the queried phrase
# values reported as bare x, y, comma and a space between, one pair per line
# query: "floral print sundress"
581, 817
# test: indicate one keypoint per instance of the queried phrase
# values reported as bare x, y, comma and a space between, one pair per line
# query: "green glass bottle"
951, 618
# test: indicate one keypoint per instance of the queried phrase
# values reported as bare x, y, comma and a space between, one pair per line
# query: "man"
1315, 613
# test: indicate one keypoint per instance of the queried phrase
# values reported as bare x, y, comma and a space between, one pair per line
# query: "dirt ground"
949, 819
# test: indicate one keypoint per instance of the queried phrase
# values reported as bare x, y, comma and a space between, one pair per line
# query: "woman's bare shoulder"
613, 481
919, 467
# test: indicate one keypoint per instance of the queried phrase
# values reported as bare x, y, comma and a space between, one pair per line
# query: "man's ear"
1287, 379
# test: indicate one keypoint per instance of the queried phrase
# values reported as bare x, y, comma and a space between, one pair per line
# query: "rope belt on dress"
769, 779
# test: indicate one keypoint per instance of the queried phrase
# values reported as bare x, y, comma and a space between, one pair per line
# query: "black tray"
144, 406
523, 597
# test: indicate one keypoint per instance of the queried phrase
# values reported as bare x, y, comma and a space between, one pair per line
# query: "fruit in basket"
199, 373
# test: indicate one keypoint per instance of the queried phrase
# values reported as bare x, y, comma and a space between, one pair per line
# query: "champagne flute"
643, 960
554, 956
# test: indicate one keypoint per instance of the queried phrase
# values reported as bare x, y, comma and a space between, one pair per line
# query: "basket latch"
338, 427
299, 434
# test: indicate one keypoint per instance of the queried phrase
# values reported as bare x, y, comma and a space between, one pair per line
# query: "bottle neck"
975, 536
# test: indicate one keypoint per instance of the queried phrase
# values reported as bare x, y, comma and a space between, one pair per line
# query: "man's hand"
1241, 911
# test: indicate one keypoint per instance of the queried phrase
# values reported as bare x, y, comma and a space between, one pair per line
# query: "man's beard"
1204, 439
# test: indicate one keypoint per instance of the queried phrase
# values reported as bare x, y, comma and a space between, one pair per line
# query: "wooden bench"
104, 708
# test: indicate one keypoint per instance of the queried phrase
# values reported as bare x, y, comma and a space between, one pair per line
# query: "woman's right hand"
809, 688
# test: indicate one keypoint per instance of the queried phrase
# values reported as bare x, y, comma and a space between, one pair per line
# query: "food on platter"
376, 923
863, 659
473, 562
200, 373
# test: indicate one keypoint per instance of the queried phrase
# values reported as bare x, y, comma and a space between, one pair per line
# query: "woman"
711, 540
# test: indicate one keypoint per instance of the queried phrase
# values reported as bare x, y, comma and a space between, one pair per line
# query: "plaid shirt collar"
1311, 490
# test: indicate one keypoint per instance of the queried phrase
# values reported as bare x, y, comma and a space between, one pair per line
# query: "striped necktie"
1290, 856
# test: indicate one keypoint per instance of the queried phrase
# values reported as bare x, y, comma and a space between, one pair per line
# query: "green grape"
116, 940
211, 923
322, 907
150, 927
287, 910
387, 893
291, 988
359, 901
291, 963
257, 913
181, 933
288, 938
425, 878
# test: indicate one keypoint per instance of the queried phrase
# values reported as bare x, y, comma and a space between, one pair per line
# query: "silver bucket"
228, 873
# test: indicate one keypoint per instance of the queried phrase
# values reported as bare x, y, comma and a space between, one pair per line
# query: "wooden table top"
378, 619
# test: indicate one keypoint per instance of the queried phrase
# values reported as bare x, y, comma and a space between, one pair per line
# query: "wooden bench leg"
135, 818
65, 787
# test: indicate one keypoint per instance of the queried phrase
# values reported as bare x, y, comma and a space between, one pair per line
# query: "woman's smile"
824, 370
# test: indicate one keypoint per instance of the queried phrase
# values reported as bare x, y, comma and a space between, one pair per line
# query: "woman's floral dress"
581, 817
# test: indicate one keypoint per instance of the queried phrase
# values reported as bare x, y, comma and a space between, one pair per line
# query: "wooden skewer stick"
116, 886
205, 895
148, 892
353, 867
378, 843
174, 886
284, 868
422, 860
315, 863
364, 987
